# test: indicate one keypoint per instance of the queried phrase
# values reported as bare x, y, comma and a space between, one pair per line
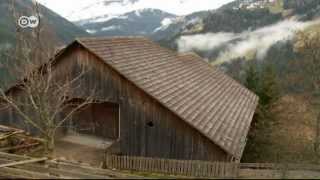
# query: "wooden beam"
9, 128
60, 168
8, 172
19, 147
90, 170
23, 162
59, 172
11, 134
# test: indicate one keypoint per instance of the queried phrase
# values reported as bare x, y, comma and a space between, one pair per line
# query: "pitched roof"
204, 97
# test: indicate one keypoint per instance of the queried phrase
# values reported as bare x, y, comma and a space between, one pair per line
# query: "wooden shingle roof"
205, 98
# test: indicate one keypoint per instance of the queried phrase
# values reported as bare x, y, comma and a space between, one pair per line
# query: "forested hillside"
258, 47
58, 30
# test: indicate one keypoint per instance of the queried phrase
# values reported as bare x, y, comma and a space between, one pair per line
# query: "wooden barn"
154, 102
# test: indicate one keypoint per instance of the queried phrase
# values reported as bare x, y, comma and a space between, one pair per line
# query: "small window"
150, 124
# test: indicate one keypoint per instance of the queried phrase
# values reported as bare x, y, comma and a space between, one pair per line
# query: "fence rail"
173, 167
273, 166
23, 167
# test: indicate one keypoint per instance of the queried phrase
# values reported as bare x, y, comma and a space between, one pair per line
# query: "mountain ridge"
65, 30
139, 22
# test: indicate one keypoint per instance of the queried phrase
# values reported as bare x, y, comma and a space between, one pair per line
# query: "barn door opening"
97, 121
90, 132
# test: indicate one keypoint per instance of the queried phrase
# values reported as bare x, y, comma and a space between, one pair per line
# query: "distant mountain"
166, 28
161, 26
61, 31
246, 31
183, 25
242, 16
64, 30
99, 8
144, 22
305, 8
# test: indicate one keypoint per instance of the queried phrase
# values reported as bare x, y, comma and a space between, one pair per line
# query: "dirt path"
85, 149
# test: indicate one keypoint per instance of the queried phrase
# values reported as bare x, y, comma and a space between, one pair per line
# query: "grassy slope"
293, 134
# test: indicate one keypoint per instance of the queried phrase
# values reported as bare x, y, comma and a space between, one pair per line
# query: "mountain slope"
65, 30
140, 22
188, 24
235, 22
231, 37
55, 29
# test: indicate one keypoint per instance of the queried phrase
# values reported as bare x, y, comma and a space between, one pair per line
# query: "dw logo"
31, 21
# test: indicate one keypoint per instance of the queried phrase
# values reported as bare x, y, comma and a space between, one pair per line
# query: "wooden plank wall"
146, 127
188, 168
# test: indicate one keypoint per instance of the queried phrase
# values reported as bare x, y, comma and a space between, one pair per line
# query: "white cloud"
72, 9
109, 28
91, 31
166, 22
204, 42
258, 41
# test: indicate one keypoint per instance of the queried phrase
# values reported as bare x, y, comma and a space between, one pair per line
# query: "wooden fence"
173, 167
23, 167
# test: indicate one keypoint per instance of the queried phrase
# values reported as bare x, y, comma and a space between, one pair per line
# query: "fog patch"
256, 43
203, 42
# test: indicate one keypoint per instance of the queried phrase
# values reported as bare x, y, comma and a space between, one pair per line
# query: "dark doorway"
89, 132
97, 119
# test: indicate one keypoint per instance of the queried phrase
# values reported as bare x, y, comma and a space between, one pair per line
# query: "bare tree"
308, 45
42, 99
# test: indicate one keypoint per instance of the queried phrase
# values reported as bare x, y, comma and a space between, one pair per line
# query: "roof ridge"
111, 38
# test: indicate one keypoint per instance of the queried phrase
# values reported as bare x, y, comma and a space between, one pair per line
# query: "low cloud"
204, 42
238, 45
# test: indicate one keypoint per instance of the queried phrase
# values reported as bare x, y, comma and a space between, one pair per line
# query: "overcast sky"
68, 8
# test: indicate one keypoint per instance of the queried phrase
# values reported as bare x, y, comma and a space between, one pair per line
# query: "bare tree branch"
43, 94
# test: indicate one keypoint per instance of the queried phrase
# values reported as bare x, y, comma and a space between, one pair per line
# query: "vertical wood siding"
146, 127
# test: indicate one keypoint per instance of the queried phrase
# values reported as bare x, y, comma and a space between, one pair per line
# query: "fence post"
193, 168
237, 173
107, 159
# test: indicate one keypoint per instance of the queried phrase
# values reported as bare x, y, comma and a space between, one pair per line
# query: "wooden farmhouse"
154, 102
